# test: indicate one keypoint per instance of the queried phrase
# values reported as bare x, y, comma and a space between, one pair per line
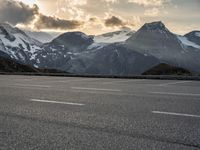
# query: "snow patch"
70, 53
84, 36
117, 52
96, 46
186, 42
21, 41
116, 37
197, 34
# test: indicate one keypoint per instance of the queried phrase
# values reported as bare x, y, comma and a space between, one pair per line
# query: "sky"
100, 16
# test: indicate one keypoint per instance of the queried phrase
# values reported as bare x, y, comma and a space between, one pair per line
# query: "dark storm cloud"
114, 21
117, 22
48, 22
16, 12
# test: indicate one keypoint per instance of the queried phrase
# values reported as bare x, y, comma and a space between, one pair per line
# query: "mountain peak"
6, 28
76, 34
75, 41
194, 37
193, 33
154, 26
5, 25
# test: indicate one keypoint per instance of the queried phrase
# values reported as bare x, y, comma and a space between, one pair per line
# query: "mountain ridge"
79, 53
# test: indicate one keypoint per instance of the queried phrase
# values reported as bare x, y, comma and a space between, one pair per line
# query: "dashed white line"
24, 79
95, 89
32, 85
179, 94
56, 102
74, 80
122, 81
173, 83
175, 114
88, 79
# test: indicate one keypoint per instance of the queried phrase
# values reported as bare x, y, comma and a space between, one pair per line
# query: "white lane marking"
32, 85
106, 93
173, 83
122, 81
180, 94
88, 79
56, 102
28, 88
96, 89
175, 114
24, 79
75, 80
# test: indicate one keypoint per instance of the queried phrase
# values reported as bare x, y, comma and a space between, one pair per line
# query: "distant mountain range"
123, 52
40, 36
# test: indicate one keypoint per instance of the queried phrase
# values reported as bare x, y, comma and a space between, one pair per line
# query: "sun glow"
29, 2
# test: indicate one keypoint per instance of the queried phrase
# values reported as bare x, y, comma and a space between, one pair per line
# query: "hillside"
165, 69
8, 65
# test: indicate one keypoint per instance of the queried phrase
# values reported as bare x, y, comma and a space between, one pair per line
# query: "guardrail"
158, 77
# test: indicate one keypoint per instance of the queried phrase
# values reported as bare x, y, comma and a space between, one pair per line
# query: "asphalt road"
58, 113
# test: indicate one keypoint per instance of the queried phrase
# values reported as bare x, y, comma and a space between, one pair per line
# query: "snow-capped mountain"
114, 37
59, 52
71, 41
115, 59
15, 43
156, 40
75, 52
117, 53
194, 37
187, 42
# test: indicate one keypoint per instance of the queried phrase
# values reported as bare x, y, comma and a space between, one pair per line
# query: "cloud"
148, 2
71, 8
48, 22
17, 12
95, 13
118, 22
152, 8
152, 12
83, 15
93, 19
113, 22
110, 1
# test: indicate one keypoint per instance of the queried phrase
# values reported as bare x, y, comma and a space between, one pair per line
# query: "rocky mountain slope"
194, 37
17, 45
156, 40
78, 53
9, 65
118, 53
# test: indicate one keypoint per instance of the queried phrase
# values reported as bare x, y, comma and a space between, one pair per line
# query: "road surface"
58, 113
